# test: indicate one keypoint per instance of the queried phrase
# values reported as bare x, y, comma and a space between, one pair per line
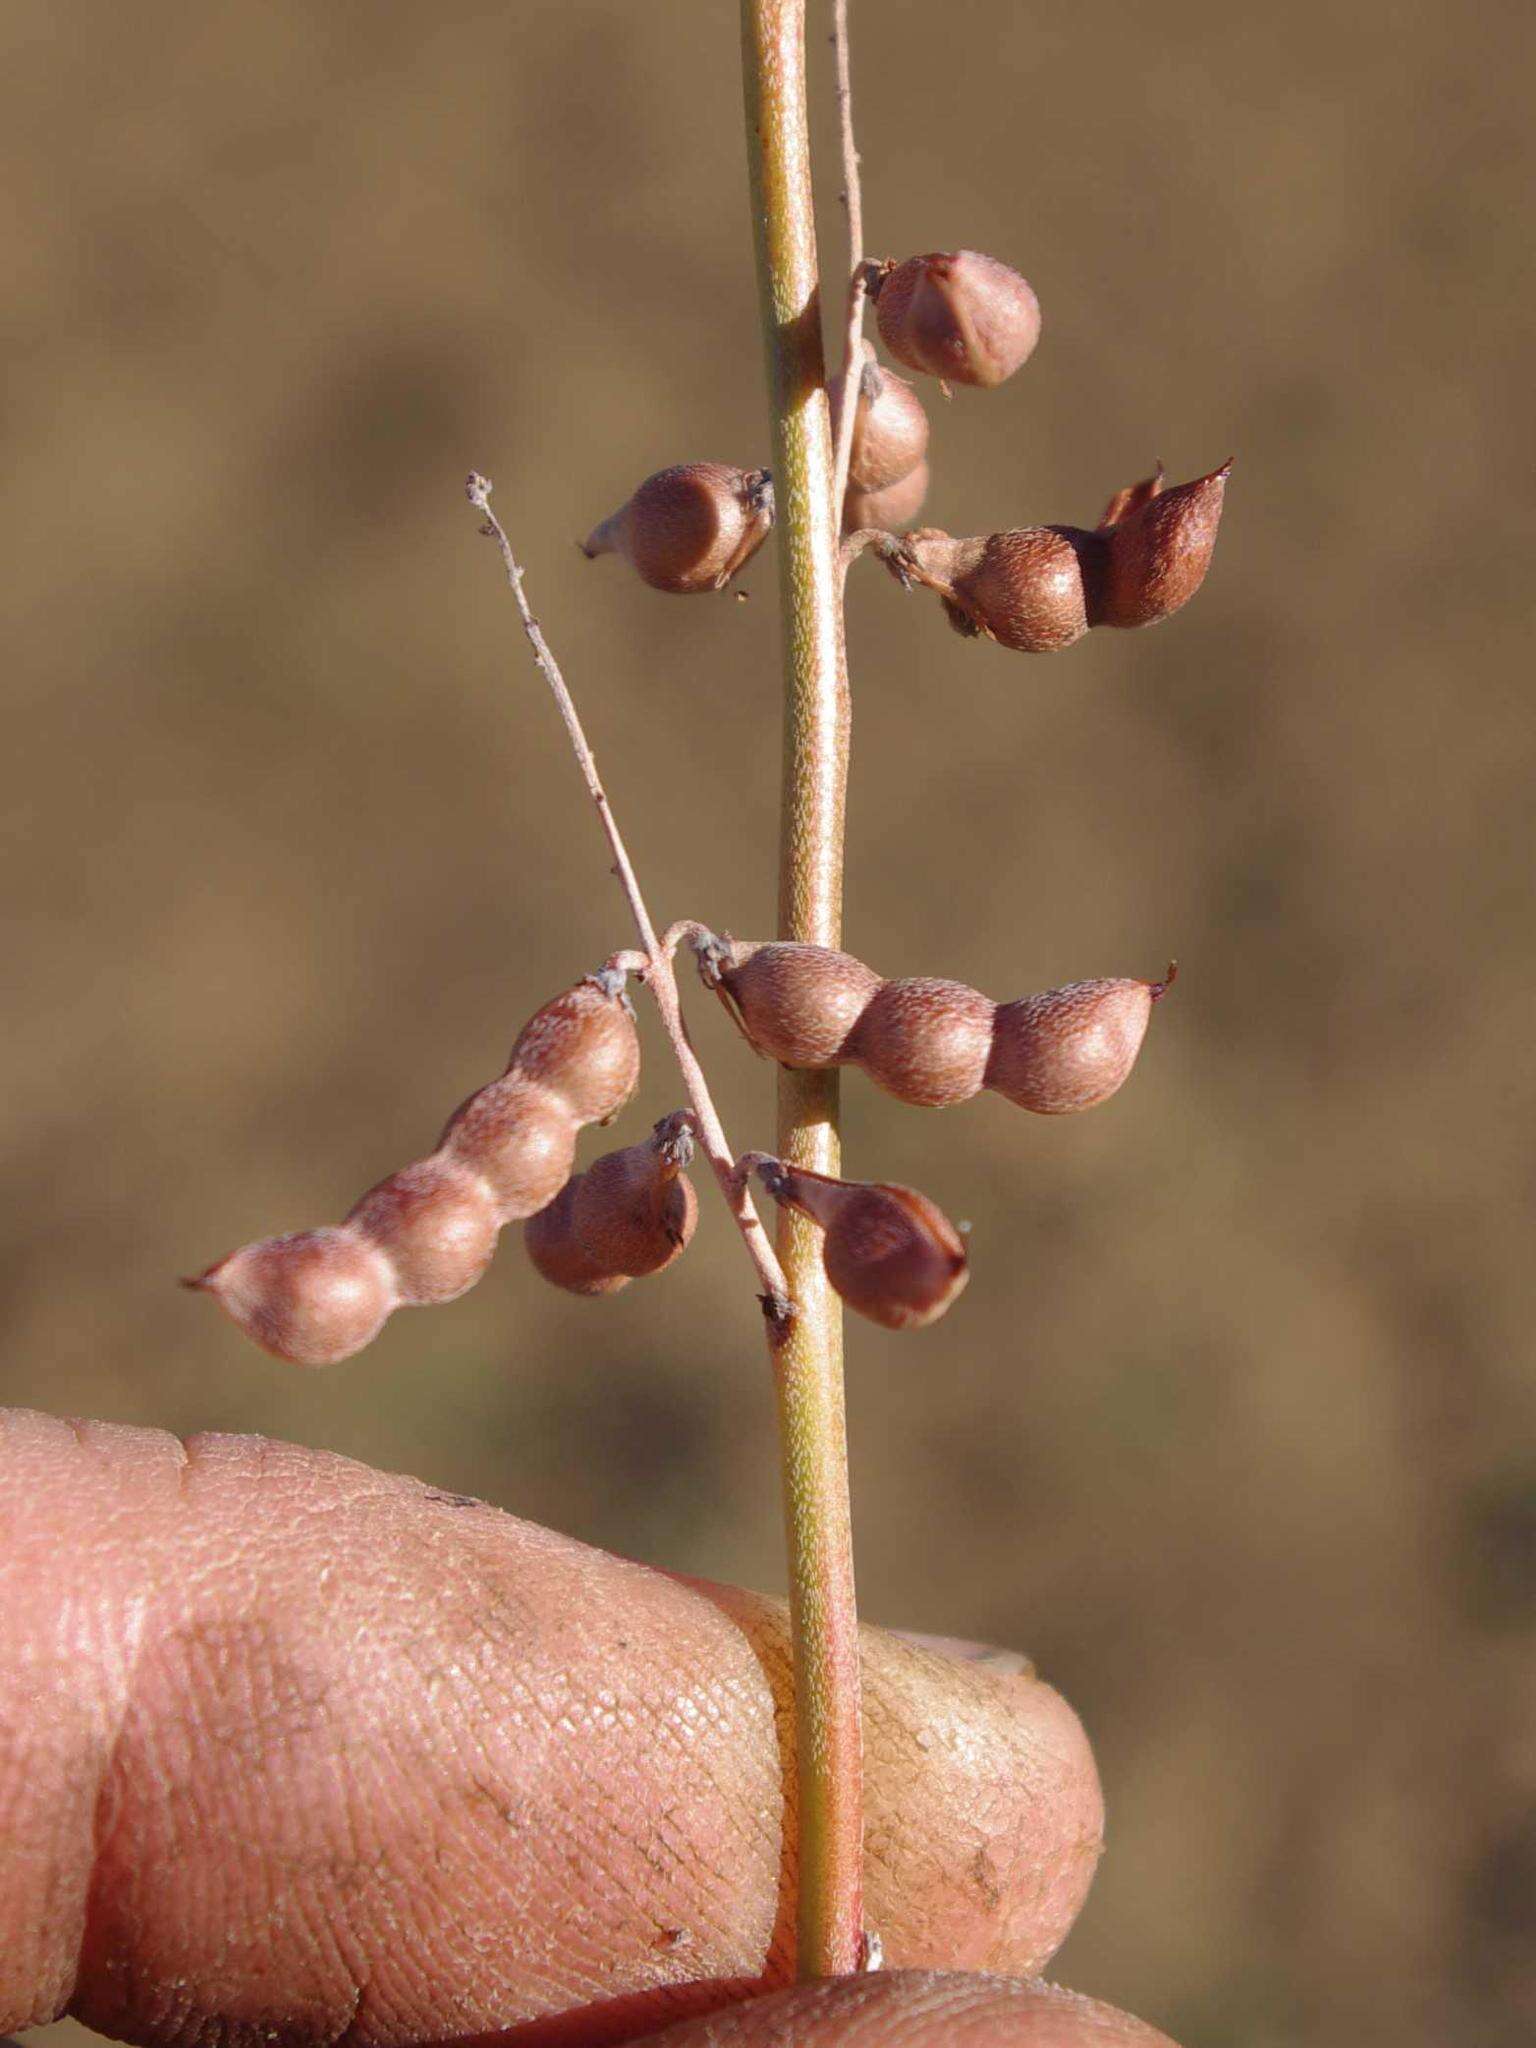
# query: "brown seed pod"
630, 1214
427, 1232
925, 1040
312, 1297
962, 316
796, 1004
1159, 545
689, 528
888, 510
890, 428
1072, 1047
930, 1042
1023, 589
892, 1255
1040, 588
438, 1223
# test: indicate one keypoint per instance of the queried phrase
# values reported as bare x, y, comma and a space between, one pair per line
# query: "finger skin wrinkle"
297, 1752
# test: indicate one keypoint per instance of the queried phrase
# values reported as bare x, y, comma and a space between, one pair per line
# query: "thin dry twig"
654, 963
856, 351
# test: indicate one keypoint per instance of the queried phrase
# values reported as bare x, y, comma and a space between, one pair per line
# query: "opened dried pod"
630, 1214
427, 1233
928, 1041
960, 316
1158, 546
892, 1255
1038, 589
689, 528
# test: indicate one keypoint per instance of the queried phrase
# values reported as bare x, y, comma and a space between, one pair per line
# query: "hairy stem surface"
808, 1365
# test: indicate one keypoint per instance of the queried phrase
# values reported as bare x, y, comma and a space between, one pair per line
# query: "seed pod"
892, 1255
427, 1233
930, 1042
689, 528
963, 317
890, 428
313, 1297
438, 1223
925, 1041
630, 1214
1072, 1047
521, 1139
1159, 545
1023, 589
795, 1004
894, 507
1039, 588
583, 1047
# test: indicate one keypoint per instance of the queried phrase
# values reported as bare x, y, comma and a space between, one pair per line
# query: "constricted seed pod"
892, 1255
1039, 588
890, 428
930, 1042
961, 316
630, 1214
894, 507
427, 1233
689, 528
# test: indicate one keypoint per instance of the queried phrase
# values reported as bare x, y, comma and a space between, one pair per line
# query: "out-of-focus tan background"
1235, 1430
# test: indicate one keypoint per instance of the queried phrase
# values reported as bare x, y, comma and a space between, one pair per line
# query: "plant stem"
655, 963
808, 1366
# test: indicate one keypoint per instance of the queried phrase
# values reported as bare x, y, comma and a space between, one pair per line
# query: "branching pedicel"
426, 1233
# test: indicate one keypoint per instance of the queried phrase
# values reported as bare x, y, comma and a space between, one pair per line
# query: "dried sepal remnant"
958, 315
931, 1042
1040, 588
890, 428
892, 1255
428, 1232
630, 1214
689, 528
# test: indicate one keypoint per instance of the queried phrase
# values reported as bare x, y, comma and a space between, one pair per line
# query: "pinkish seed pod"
437, 1222
888, 510
1158, 546
796, 1004
635, 1210
963, 317
689, 528
892, 1255
927, 1041
558, 1254
584, 1047
427, 1232
1023, 589
1072, 1047
890, 428
629, 1215
924, 1040
313, 1297
520, 1137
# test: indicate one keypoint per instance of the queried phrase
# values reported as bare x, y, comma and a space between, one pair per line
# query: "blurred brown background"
1234, 1429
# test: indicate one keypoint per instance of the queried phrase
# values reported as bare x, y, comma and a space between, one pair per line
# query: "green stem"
808, 1363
